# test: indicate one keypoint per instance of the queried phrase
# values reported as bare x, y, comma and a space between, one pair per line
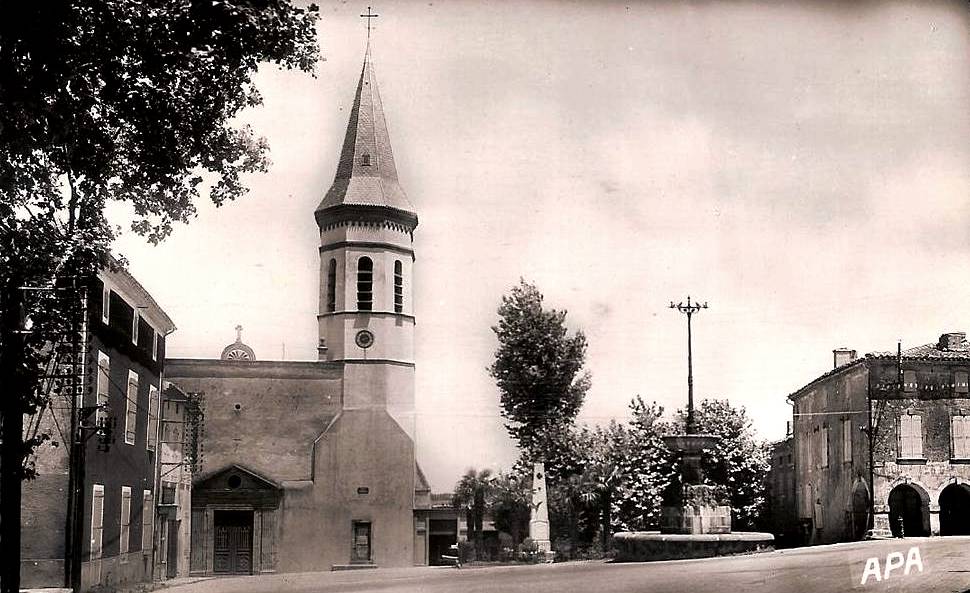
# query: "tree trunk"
606, 519
11, 433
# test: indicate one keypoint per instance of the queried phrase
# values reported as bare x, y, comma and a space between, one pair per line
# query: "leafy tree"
739, 462
509, 505
472, 493
113, 101
538, 369
646, 468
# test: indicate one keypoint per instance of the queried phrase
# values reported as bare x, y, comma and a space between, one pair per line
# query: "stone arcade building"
310, 465
915, 404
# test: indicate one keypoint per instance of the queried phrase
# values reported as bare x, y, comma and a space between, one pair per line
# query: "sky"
802, 167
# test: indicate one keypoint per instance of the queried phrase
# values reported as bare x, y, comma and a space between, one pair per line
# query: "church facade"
309, 465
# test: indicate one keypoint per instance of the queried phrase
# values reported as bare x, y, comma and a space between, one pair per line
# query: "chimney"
841, 356
952, 341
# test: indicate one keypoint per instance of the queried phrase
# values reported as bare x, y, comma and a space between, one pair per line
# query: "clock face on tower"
364, 339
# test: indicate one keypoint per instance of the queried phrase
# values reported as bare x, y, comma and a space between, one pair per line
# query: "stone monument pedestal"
693, 523
693, 508
539, 512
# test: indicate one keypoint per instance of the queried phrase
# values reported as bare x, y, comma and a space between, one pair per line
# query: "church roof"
366, 175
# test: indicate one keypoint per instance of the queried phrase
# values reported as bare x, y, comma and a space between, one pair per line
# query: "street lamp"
689, 309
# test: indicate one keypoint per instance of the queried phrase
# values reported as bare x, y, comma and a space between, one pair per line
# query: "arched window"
398, 287
365, 284
332, 286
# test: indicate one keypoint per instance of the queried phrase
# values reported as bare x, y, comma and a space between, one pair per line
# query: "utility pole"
689, 309
11, 432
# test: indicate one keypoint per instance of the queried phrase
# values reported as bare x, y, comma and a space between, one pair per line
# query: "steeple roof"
366, 175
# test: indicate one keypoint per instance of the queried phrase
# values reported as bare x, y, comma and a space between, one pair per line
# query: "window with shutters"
125, 523
365, 284
398, 287
332, 285
131, 407
961, 382
104, 364
152, 435
105, 304
909, 381
846, 441
911, 436
823, 446
960, 435
147, 514
97, 521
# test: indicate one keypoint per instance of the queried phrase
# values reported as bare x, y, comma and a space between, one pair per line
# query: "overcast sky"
803, 167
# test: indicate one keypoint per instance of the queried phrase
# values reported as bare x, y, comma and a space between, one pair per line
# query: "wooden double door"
233, 550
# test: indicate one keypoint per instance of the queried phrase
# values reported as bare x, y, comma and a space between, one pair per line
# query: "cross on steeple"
370, 15
239, 333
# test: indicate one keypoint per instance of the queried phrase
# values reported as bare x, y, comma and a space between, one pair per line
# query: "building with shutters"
88, 518
309, 465
882, 443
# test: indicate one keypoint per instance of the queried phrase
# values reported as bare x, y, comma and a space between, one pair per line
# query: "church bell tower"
366, 224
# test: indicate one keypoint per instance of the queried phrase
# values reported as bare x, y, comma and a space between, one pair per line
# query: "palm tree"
471, 493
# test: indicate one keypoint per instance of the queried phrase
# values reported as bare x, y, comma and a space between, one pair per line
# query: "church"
310, 465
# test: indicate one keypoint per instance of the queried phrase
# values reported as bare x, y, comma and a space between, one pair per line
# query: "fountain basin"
644, 546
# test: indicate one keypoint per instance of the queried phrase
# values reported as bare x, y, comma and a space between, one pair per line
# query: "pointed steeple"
366, 176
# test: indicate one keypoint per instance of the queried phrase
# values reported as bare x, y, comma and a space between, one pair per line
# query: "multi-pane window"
398, 287
103, 381
961, 382
910, 436
152, 417
125, 523
131, 407
960, 434
332, 285
97, 520
846, 440
365, 284
147, 513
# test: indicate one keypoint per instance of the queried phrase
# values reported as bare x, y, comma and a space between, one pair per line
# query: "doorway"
172, 549
233, 549
860, 512
907, 512
361, 551
955, 510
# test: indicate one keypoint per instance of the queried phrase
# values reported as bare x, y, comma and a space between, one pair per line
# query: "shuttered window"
961, 382
911, 436
97, 521
125, 523
365, 284
131, 407
398, 287
960, 432
102, 385
909, 381
332, 285
152, 435
823, 446
846, 441
147, 515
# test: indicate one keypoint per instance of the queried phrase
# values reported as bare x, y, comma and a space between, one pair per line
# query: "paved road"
821, 569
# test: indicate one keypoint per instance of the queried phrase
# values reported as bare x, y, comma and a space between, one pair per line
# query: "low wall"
642, 546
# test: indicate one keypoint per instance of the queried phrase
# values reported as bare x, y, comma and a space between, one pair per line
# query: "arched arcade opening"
955, 510
909, 511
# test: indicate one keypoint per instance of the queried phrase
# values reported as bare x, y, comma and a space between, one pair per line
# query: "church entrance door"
233, 550
361, 548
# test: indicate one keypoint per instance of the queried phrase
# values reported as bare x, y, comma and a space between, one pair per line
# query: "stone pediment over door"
236, 485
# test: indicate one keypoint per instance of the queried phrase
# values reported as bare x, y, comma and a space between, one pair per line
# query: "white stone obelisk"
539, 515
